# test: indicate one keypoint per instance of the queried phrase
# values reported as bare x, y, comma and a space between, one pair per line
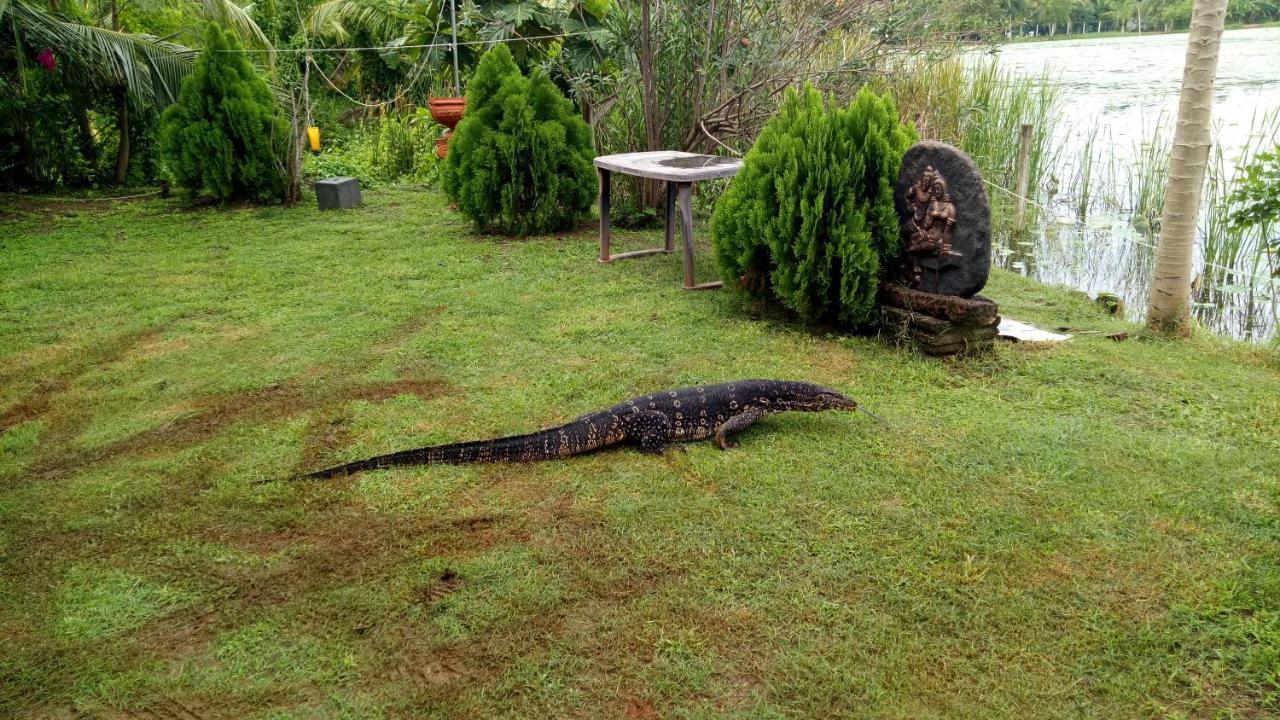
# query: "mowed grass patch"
1087, 529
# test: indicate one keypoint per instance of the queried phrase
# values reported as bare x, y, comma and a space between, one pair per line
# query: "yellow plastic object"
313, 134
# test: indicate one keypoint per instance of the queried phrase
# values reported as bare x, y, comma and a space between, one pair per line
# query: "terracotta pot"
447, 110
442, 145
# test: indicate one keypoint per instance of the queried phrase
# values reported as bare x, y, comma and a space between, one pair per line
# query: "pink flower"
46, 60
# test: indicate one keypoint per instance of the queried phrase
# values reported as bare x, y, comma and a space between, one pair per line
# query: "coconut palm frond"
169, 65
237, 19
337, 19
325, 20
148, 69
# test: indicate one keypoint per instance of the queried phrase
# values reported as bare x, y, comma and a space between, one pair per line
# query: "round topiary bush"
520, 160
225, 136
810, 219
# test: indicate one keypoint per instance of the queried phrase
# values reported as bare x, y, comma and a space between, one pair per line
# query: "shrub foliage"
225, 135
520, 161
810, 218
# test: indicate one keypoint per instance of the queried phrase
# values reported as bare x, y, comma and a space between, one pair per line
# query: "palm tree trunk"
122, 115
1171, 281
122, 124
88, 147
649, 189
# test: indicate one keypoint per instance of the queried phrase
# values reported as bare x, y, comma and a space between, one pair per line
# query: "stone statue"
930, 296
932, 222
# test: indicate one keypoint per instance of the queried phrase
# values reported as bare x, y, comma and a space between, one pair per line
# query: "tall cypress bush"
520, 160
225, 136
810, 219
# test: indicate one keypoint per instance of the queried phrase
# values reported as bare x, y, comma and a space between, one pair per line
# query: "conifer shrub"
810, 219
226, 135
520, 160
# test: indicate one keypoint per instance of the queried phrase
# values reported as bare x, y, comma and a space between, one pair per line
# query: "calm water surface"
1122, 89
1125, 84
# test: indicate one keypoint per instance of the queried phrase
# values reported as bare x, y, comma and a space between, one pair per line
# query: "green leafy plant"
810, 219
225, 136
1256, 199
520, 161
395, 148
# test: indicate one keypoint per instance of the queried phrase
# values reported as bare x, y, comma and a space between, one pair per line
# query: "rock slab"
938, 325
945, 217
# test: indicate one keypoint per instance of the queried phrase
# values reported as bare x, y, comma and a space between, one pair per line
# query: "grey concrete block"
338, 193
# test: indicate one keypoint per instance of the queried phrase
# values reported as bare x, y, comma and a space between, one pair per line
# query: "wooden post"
604, 215
1024, 174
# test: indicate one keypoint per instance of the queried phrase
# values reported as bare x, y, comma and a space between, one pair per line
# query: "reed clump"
980, 108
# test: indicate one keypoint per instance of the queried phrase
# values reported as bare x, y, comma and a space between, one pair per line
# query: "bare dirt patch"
346, 542
640, 710
40, 400
323, 436
444, 585
210, 415
407, 329
170, 708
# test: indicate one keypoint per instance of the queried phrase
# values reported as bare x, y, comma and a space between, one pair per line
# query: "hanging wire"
404, 89
76, 199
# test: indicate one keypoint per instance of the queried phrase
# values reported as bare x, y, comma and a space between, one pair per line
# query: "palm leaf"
230, 15
148, 69
337, 19
169, 65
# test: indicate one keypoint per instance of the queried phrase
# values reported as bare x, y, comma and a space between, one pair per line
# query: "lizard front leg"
735, 425
650, 429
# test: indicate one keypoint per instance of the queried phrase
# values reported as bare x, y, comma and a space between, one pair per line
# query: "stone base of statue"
938, 325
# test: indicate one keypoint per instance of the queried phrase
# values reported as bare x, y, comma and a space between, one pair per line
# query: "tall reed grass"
1079, 172
1236, 266
1146, 177
974, 105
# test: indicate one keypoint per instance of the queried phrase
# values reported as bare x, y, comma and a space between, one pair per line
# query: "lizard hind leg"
650, 430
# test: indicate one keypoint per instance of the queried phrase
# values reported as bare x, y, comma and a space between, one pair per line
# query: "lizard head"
814, 398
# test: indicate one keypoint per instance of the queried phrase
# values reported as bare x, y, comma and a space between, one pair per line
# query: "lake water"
1126, 83
1122, 89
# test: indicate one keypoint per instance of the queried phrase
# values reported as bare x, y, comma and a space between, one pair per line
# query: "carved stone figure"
945, 219
944, 215
933, 222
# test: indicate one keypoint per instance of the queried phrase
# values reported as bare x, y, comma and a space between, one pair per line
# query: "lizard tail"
558, 442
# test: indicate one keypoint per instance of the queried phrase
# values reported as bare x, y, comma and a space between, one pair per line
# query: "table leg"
604, 214
671, 216
685, 192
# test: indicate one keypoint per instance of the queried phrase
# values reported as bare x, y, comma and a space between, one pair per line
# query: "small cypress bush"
810, 219
225, 135
520, 160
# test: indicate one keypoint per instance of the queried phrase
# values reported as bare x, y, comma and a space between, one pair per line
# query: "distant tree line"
1012, 18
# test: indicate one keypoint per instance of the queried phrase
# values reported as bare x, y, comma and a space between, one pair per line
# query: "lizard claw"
726, 443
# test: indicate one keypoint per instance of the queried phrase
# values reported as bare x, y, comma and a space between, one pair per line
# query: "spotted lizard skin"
650, 422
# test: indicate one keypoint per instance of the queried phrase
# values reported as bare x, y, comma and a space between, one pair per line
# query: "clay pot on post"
448, 112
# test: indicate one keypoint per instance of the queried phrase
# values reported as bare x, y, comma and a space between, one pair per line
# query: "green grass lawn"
1088, 530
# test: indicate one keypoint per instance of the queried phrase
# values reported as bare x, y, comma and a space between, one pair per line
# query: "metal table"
680, 170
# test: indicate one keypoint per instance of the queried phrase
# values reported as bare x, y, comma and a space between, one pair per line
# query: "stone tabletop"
671, 165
